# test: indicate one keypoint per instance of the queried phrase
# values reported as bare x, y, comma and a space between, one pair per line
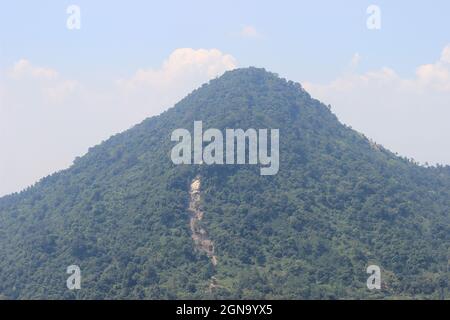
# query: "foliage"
338, 204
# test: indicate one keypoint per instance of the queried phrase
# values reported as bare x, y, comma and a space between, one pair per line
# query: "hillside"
339, 203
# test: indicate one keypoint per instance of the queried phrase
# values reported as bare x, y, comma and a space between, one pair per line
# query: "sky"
63, 89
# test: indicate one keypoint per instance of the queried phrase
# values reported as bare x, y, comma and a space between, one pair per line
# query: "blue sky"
62, 91
300, 39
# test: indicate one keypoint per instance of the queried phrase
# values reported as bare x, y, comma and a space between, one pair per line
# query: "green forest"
339, 203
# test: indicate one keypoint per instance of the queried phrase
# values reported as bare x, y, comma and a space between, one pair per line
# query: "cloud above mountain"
184, 70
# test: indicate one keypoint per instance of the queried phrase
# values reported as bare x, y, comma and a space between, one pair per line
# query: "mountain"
140, 227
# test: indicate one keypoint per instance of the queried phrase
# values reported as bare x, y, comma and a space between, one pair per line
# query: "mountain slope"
337, 204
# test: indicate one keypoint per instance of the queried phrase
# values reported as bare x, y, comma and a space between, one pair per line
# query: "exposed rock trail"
199, 234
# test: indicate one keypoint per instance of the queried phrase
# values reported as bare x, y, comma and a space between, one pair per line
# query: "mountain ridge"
444, 168
121, 210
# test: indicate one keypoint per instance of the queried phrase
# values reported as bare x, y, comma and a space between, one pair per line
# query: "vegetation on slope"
338, 204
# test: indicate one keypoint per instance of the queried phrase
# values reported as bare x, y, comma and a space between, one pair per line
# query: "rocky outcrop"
199, 234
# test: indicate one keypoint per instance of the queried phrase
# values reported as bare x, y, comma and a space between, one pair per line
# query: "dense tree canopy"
338, 204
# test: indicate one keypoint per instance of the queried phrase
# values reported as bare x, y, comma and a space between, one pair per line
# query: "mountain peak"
123, 212
240, 93
249, 71
255, 75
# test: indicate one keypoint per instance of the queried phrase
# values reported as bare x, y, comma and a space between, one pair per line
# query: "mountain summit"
139, 226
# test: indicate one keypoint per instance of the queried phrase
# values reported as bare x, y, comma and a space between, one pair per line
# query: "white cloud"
184, 70
23, 68
249, 32
436, 75
46, 119
183, 63
24, 79
407, 115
